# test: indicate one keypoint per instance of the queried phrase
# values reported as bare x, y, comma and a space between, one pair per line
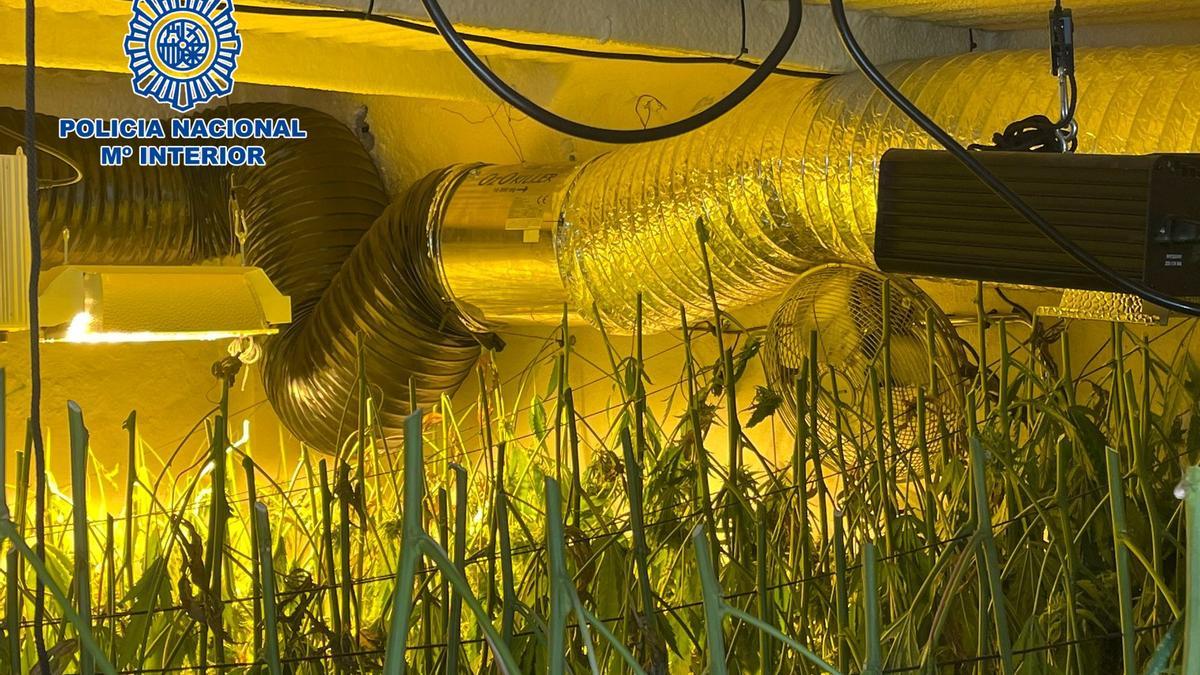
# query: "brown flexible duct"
119, 215
386, 292
317, 222
307, 209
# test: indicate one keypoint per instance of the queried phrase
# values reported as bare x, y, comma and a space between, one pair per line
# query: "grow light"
122, 304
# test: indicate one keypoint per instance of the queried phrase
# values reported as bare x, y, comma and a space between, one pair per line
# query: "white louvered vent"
14, 243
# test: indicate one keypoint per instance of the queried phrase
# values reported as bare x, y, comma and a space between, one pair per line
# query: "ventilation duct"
118, 215
785, 182
789, 179
493, 243
386, 292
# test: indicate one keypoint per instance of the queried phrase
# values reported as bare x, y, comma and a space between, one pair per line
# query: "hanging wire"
35, 360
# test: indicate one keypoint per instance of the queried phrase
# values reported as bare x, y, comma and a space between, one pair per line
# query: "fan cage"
841, 310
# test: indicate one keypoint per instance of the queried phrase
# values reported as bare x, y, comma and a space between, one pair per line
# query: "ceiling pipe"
115, 215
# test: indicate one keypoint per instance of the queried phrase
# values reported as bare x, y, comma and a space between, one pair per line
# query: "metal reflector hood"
107, 304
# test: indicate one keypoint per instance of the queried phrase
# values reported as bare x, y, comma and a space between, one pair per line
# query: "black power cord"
35, 354
1038, 133
531, 47
619, 136
994, 183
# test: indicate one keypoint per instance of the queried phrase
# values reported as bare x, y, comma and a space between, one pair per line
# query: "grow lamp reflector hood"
116, 304
112, 304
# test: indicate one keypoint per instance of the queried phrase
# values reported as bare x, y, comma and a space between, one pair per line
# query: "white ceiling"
1007, 14
351, 55
341, 54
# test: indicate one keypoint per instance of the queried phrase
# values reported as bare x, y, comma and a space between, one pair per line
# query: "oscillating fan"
844, 306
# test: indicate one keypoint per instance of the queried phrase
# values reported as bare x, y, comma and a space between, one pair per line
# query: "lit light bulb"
80, 327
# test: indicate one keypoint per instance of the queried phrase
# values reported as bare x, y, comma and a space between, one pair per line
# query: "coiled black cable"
618, 136
999, 187
1039, 133
530, 47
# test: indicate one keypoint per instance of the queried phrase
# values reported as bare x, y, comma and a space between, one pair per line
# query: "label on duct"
527, 199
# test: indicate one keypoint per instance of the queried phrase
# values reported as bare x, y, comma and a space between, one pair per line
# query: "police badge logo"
182, 52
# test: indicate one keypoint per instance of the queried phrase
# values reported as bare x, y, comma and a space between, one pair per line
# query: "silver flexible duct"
789, 179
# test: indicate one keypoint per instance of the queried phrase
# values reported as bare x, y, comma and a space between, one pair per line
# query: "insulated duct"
306, 210
492, 242
789, 179
316, 220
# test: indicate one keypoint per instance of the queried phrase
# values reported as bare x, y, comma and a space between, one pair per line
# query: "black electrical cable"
35, 358
619, 136
1038, 133
533, 47
993, 182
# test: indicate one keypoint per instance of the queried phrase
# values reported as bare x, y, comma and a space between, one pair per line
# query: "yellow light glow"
115, 304
81, 325
79, 331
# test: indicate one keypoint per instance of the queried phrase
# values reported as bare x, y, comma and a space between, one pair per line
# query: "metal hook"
1068, 127
238, 221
